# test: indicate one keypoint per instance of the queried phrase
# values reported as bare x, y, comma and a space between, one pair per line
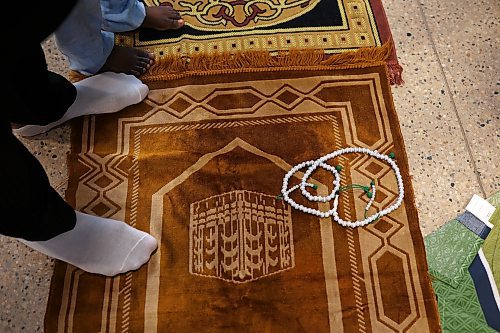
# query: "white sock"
99, 245
103, 93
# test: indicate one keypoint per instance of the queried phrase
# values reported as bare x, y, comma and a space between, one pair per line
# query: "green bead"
315, 186
279, 197
392, 155
366, 188
369, 194
372, 183
338, 168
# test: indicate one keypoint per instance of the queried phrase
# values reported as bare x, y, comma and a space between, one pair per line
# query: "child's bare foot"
128, 60
162, 17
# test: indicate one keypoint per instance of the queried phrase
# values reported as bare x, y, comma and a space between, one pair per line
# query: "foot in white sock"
99, 245
102, 93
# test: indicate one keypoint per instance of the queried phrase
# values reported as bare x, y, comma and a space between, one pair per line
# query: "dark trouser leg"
29, 207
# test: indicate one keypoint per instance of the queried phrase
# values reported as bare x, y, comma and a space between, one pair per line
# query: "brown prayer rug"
228, 26
199, 163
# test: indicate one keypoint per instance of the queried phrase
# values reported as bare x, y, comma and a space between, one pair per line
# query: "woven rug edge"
174, 67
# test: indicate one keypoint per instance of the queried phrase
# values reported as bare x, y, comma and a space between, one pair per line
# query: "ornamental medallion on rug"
239, 14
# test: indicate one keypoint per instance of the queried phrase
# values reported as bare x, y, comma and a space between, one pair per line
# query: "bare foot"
128, 60
162, 17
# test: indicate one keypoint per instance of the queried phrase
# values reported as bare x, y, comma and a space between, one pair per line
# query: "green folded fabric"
491, 246
459, 308
450, 251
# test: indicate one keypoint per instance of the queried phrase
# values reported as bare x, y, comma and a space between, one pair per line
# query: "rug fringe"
170, 67
362, 55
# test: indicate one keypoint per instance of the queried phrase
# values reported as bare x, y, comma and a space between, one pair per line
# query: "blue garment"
86, 37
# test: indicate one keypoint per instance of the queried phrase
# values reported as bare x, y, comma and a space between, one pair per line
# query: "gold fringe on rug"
363, 55
170, 67
75, 76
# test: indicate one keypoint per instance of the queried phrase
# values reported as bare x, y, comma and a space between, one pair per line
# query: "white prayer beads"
312, 165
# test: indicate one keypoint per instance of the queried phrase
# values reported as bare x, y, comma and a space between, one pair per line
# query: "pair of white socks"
103, 93
99, 245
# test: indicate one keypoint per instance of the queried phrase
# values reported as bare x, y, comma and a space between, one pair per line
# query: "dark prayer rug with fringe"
234, 26
199, 163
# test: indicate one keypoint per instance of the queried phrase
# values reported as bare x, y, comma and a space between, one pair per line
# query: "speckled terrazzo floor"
449, 109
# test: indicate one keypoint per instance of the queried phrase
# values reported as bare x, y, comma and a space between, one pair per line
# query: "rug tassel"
395, 73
